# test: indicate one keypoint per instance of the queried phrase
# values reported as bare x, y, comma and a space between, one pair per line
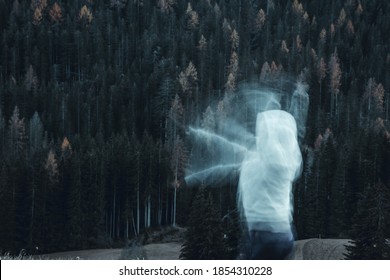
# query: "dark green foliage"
327, 169
204, 237
371, 230
108, 85
232, 233
7, 217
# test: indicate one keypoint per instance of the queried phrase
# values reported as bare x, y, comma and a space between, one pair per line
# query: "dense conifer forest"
96, 96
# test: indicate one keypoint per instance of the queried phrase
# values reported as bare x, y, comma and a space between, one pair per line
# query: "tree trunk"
32, 210
167, 204
159, 211
127, 229
113, 218
149, 210
117, 224
174, 208
138, 212
134, 227
138, 189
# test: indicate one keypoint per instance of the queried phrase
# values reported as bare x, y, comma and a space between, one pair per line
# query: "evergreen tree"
7, 219
323, 185
370, 231
232, 234
204, 237
100, 71
35, 133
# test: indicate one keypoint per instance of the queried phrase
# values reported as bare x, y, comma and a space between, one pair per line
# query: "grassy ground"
165, 243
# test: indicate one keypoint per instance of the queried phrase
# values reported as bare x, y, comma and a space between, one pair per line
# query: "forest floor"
95, 254
308, 249
320, 249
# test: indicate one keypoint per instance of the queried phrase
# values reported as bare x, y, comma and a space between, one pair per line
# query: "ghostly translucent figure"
267, 164
265, 183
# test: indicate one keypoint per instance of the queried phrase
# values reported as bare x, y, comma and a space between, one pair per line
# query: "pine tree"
51, 167
161, 105
327, 168
192, 17
7, 218
17, 134
204, 238
31, 80
85, 14
334, 80
370, 231
232, 234
75, 215
260, 20
66, 61
374, 97
35, 133
166, 6
55, 13
208, 121
321, 73
2, 130
192, 246
188, 80
178, 161
213, 245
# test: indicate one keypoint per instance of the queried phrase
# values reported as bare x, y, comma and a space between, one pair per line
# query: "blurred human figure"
265, 187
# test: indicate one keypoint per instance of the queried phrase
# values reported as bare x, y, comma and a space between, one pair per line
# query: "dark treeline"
95, 96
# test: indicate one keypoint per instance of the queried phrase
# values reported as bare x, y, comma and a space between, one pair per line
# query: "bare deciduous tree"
55, 13
335, 78
85, 14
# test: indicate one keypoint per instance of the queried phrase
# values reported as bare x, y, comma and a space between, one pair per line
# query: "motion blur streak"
262, 148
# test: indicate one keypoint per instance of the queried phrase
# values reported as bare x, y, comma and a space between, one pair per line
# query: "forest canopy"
96, 97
